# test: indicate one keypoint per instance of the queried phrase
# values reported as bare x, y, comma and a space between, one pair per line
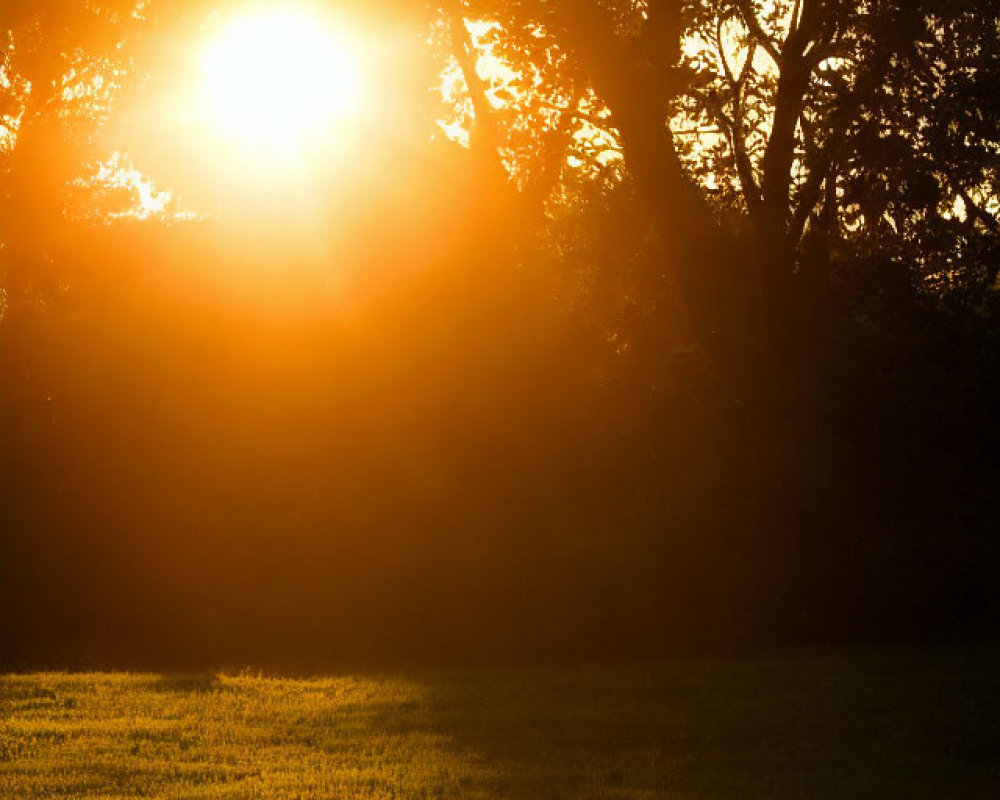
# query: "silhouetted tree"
831, 127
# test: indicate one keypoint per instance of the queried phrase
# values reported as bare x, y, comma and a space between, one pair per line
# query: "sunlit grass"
896, 725
233, 736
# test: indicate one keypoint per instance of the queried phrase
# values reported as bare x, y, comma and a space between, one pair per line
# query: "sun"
273, 79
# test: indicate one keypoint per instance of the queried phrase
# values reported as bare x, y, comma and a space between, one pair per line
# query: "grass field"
878, 725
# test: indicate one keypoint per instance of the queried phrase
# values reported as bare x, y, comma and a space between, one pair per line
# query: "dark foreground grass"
875, 725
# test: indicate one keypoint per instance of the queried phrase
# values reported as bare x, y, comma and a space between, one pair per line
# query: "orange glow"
273, 79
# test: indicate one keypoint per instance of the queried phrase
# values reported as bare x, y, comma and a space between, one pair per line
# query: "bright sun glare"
272, 79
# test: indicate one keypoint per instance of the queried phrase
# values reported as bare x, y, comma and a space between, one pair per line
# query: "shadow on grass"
907, 724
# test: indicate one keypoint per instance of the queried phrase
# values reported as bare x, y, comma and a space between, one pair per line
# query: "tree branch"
540, 184
734, 127
603, 124
793, 25
974, 210
661, 32
484, 133
744, 170
809, 196
749, 15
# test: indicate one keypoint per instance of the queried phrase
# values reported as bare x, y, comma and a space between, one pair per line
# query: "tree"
854, 159
63, 66
836, 129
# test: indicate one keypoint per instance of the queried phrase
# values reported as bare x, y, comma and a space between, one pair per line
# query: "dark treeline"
640, 418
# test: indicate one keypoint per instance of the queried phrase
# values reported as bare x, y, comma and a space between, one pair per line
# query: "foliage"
841, 129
